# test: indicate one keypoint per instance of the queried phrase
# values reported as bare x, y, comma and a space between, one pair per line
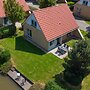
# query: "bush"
5, 63
6, 67
7, 31
71, 3
4, 56
51, 85
72, 78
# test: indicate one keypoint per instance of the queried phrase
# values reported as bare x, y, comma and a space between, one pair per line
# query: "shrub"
71, 3
5, 63
7, 31
4, 56
6, 67
51, 85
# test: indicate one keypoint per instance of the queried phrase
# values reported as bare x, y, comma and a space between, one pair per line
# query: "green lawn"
71, 42
31, 61
88, 22
86, 83
34, 63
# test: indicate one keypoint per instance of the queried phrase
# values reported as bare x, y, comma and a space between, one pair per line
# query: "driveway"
82, 24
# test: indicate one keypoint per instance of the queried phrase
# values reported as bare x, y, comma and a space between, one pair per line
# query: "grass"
88, 22
71, 42
86, 83
31, 61
34, 63
84, 33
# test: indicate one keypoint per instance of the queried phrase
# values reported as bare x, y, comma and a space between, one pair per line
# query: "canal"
7, 84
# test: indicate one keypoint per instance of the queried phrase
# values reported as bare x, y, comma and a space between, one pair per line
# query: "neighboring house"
82, 8
49, 27
3, 19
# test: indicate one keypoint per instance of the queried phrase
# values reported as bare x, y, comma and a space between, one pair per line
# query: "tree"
13, 10
79, 62
51, 85
46, 3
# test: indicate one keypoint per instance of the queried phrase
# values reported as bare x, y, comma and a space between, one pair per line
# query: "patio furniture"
23, 82
61, 50
18, 76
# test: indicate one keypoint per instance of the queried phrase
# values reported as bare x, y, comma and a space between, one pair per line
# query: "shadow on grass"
63, 84
23, 45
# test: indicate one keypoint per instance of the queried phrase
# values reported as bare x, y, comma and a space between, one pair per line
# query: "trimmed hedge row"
7, 31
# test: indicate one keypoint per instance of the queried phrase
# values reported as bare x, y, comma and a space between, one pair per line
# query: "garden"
34, 63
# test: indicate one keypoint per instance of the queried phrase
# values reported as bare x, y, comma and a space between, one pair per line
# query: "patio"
61, 51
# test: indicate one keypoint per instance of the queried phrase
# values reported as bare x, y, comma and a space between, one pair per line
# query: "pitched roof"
21, 2
55, 21
2, 11
24, 5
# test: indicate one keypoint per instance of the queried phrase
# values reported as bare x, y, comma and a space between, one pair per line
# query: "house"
49, 27
3, 19
82, 9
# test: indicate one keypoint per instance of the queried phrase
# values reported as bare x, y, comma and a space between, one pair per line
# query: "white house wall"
30, 18
81, 2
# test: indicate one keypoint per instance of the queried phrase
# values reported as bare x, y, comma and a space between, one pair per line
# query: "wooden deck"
13, 76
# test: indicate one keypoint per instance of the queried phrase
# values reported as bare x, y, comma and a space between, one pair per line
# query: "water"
7, 84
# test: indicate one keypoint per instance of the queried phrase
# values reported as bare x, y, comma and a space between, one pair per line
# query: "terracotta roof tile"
24, 5
55, 21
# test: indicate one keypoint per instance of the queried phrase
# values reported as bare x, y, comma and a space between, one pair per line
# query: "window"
51, 43
29, 33
85, 2
34, 23
5, 20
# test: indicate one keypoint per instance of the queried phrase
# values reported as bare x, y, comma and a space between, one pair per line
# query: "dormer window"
34, 23
85, 3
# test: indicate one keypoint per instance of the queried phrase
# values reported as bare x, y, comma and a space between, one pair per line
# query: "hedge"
7, 31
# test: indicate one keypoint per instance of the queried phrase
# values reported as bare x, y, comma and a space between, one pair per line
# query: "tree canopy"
46, 3
13, 10
78, 64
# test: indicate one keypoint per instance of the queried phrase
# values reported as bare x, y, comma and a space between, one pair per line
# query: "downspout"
81, 34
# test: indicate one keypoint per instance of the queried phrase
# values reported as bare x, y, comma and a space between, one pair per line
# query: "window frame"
85, 2
29, 33
34, 23
52, 42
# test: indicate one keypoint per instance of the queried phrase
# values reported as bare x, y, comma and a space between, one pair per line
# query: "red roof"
2, 11
24, 5
21, 2
55, 21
